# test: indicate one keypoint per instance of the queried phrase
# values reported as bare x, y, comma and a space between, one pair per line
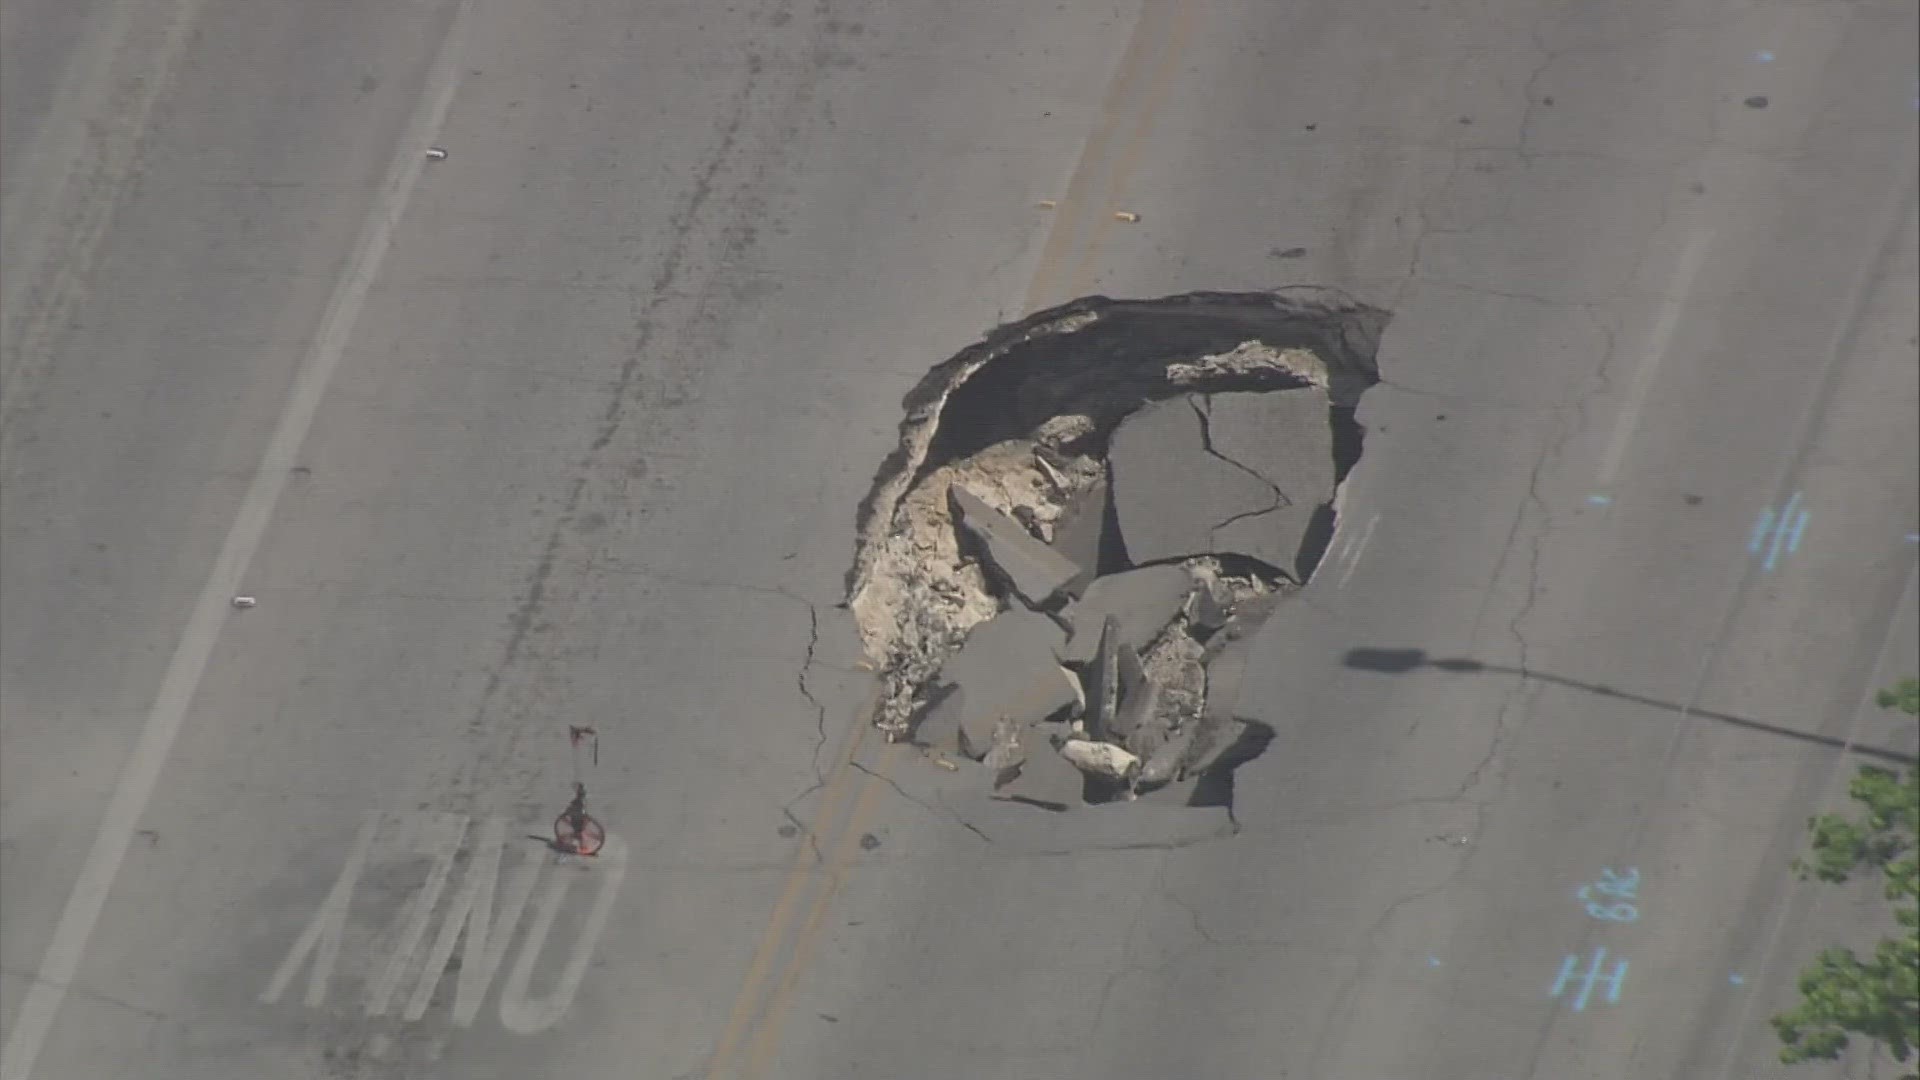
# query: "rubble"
1139, 695
1080, 533
1141, 601
1035, 571
1004, 671
1044, 778
1101, 759
1160, 459
1284, 439
1089, 515
1103, 682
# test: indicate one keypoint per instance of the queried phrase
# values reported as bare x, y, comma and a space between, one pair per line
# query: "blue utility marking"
1778, 532
1737, 979
1763, 56
1599, 500
1620, 888
1433, 961
1913, 538
1570, 966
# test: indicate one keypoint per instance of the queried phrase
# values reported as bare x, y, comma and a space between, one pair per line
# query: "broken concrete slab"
1144, 601
1286, 439
1044, 779
1079, 533
1008, 752
1162, 767
1139, 717
1034, 571
938, 725
1005, 669
1137, 693
1171, 494
1220, 746
1103, 681
1224, 674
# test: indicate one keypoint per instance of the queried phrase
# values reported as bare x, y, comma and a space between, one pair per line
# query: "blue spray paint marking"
1593, 976
1610, 898
1913, 538
1737, 979
1433, 961
1763, 56
1778, 533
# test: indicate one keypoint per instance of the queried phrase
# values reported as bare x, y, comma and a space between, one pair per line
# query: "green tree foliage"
1876, 997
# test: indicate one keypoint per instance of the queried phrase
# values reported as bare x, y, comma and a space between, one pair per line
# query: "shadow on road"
1402, 661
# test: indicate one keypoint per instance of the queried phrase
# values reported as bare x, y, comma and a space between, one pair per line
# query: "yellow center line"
753, 1026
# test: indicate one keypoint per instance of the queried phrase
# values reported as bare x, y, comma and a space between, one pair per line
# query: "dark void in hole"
1119, 361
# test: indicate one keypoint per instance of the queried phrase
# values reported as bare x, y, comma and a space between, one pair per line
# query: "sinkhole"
1060, 567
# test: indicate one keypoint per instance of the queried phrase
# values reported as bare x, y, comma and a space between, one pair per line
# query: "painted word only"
478, 921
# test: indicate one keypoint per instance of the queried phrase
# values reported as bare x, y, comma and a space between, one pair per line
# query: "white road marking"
437, 836
323, 934
68, 944
524, 1016
487, 936
1359, 548
1659, 344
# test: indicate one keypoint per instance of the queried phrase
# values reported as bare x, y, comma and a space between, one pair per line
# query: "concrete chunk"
1139, 698
1034, 571
1044, 778
1079, 532
1205, 611
1163, 765
1006, 669
1100, 759
1144, 601
1103, 682
1170, 493
1286, 438
939, 723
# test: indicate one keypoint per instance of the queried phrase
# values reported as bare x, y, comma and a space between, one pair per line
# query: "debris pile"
1062, 567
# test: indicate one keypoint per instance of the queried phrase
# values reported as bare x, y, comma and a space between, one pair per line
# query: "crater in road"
1060, 567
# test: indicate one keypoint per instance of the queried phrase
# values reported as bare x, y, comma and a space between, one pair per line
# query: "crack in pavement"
87, 992
941, 811
1280, 500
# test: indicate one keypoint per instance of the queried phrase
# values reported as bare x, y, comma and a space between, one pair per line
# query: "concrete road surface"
569, 427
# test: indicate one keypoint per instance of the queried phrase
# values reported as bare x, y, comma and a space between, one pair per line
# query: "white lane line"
137, 780
1359, 549
1658, 346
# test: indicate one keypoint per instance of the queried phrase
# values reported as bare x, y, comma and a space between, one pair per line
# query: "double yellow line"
1082, 222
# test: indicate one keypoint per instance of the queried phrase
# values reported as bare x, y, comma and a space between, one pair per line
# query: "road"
570, 427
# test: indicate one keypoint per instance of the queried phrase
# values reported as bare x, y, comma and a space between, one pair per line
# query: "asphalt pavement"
568, 425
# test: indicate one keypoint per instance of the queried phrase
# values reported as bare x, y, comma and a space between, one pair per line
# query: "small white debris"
244, 602
1125, 215
1100, 759
1048, 204
434, 153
